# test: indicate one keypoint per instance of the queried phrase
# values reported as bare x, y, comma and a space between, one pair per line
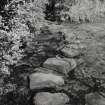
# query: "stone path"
86, 46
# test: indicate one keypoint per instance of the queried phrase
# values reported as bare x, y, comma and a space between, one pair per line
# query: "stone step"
61, 65
46, 98
45, 80
70, 52
74, 49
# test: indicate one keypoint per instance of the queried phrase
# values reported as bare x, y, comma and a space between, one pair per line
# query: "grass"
85, 10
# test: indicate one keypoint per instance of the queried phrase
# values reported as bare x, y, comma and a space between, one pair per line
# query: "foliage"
29, 38
83, 10
20, 31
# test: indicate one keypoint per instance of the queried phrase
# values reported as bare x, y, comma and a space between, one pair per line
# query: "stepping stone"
45, 98
94, 99
61, 65
45, 80
70, 52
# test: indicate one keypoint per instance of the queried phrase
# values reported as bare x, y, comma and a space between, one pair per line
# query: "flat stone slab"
45, 80
94, 99
45, 98
61, 65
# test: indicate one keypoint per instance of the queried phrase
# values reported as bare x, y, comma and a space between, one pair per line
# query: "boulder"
45, 80
70, 52
61, 65
45, 98
94, 99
